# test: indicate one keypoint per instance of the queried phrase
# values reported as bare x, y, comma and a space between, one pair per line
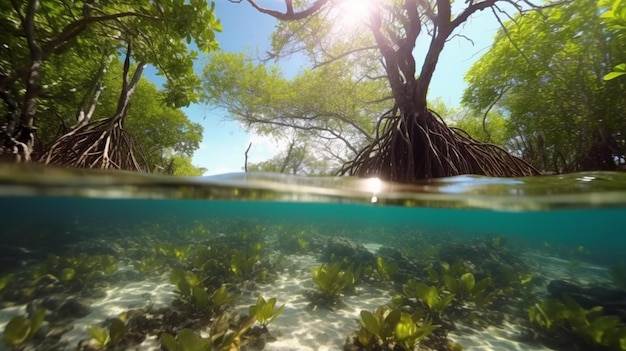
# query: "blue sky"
244, 29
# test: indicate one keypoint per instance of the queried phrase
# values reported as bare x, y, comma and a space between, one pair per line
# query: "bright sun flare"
356, 11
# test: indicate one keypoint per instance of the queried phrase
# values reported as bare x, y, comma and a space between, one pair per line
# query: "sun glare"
356, 11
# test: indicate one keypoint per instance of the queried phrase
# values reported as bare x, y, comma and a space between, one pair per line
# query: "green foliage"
385, 270
433, 299
185, 340
166, 135
615, 18
590, 326
331, 280
5, 280
19, 330
192, 292
389, 327
265, 311
541, 75
82, 267
242, 262
103, 337
326, 110
220, 340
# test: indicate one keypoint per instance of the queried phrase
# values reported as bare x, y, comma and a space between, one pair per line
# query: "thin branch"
289, 14
344, 55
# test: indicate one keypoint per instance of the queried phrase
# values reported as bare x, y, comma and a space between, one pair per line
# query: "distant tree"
542, 75
298, 158
411, 142
326, 109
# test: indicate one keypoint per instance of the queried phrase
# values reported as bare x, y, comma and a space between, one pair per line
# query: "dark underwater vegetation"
237, 264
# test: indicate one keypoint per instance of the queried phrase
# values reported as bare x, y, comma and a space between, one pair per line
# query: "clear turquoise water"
576, 217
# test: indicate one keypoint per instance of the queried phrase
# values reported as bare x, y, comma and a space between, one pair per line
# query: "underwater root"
423, 147
98, 144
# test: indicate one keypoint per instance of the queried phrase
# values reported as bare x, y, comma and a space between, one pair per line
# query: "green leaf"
17, 331
169, 343
67, 274
613, 75
117, 330
468, 282
191, 341
36, 321
370, 322
450, 283
5, 280
100, 335
201, 297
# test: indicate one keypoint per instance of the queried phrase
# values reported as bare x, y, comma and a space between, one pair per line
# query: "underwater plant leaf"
432, 274
365, 337
99, 334
444, 302
184, 288
177, 275
190, 341
277, 313
450, 283
599, 327
36, 320
427, 294
481, 286
405, 328
117, 330
201, 297
169, 342
370, 322
17, 330
192, 279
67, 274
389, 324
221, 297
468, 281
5, 280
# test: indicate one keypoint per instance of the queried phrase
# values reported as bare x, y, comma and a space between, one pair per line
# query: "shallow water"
566, 227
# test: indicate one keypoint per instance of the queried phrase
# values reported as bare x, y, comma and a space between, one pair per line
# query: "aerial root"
423, 146
98, 144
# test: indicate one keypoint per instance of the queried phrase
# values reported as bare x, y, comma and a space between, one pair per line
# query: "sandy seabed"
300, 327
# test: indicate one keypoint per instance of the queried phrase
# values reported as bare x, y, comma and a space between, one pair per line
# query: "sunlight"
355, 11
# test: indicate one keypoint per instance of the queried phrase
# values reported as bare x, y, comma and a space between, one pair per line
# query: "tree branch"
289, 14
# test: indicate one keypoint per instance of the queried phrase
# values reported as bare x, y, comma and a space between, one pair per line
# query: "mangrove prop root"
416, 147
98, 144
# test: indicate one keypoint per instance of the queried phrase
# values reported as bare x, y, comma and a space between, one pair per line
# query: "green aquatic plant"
103, 337
385, 270
466, 288
265, 311
149, 264
82, 267
5, 280
331, 280
221, 297
242, 263
390, 327
174, 252
591, 326
433, 299
20, 329
221, 338
185, 340
190, 288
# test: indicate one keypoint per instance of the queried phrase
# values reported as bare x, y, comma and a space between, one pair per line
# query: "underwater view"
93, 260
